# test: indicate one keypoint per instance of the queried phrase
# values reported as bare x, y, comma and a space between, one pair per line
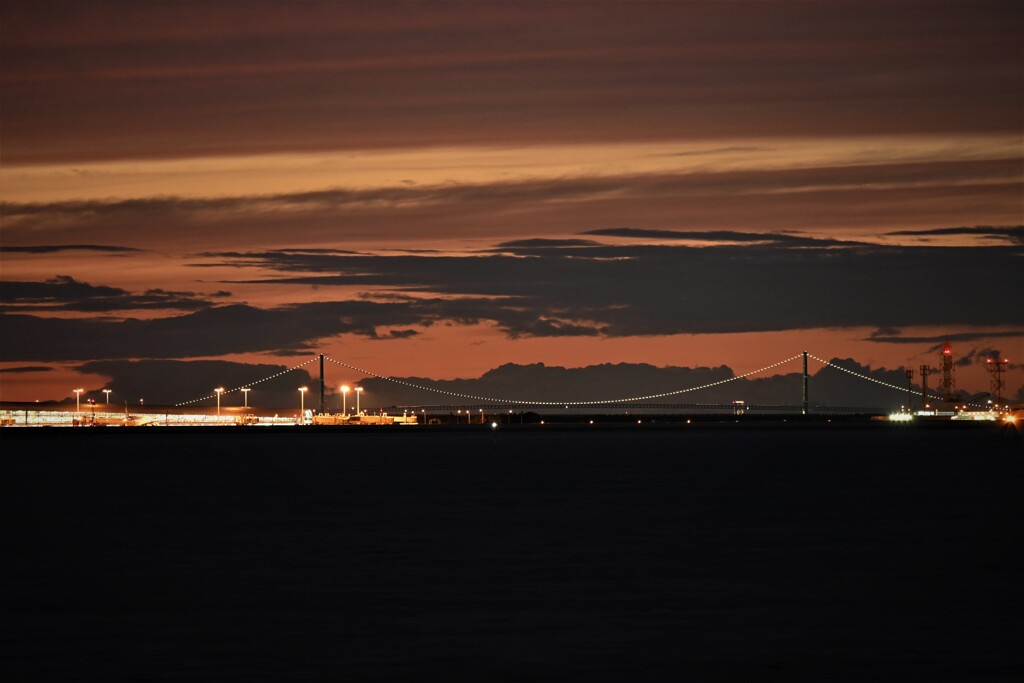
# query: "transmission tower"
946, 367
997, 366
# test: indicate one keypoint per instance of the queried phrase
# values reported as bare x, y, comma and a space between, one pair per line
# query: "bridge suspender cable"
528, 402
246, 386
520, 401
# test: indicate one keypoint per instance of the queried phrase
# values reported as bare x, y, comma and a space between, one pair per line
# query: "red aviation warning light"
997, 367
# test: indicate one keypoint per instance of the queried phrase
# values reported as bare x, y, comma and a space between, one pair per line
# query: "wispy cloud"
58, 248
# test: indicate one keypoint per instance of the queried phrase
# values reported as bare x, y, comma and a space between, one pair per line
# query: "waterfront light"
359, 390
107, 392
344, 396
218, 391
302, 404
245, 394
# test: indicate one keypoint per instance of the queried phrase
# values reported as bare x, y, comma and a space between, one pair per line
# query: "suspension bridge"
448, 400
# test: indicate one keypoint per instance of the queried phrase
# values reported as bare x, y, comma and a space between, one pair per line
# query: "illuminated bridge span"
646, 401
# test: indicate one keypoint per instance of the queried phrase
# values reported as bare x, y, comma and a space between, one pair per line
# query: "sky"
204, 194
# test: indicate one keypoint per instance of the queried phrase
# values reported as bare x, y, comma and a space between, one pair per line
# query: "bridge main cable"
525, 402
244, 386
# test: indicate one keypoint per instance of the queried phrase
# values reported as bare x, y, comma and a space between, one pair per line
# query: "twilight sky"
202, 193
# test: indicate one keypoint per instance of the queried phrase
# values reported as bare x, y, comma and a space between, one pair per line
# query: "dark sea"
826, 552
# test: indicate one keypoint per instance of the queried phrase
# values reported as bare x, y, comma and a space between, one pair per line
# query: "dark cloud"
661, 289
892, 336
593, 290
984, 355
718, 236
219, 330
1013, 234
544, 243
27, 369
64, 293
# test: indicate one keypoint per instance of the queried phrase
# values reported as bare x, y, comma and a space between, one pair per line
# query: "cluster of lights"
344, 389
863, 376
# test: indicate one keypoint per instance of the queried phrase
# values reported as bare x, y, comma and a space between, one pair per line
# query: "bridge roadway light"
218, 391
344, 397
359, 390
78, 396
302, 405
245, 394
107, 392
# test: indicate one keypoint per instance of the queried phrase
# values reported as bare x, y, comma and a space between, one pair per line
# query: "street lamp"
245, 395
302, 404
78, 396
107, 392
359, 390
218, 391
344, 396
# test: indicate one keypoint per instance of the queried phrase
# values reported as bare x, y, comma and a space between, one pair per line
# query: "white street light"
359, 390
302, 404
218, 391
107, 392
78, 396
245, 394
344, 396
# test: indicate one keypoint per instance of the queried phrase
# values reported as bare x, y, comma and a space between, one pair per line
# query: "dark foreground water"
405, 554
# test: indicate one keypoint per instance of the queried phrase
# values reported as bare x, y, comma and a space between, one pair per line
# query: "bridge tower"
997, 366
805, 384
322, 410
946, 367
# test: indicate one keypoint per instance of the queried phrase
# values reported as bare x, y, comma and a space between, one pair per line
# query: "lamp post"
481, 416
245, 394
107, 392
302, 405
359, 390
344, 397
218, 391
78, 396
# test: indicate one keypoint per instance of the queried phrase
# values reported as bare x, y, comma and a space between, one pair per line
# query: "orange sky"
162, 159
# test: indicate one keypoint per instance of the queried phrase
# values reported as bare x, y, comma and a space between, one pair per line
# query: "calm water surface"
761, 554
